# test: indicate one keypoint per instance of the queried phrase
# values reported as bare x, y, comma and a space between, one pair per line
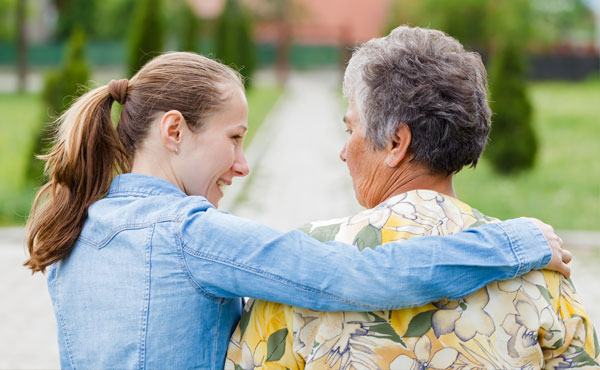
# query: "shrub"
73, 14
146, 36
189, 27
513, 144
235, 44
61, 88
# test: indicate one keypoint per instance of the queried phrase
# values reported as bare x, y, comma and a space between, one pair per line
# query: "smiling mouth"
221, 183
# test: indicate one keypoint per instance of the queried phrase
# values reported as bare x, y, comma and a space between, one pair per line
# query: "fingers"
566, 256
560, 256
565, 270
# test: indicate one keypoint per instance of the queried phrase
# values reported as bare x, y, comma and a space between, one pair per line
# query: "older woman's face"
366, 165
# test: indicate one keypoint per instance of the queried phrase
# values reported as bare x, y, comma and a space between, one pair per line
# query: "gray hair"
425, 79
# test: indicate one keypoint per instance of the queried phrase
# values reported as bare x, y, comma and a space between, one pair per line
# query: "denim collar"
142, 185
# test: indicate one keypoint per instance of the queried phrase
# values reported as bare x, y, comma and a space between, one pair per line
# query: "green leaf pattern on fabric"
276, 345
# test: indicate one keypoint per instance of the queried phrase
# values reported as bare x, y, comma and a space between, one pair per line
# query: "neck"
146, 163
414, 177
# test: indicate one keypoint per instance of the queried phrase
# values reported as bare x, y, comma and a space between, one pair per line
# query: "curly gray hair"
425, 79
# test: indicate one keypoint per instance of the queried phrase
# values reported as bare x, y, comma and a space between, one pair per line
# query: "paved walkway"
297, 177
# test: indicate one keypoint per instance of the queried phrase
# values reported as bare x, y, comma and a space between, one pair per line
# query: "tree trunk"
21, 46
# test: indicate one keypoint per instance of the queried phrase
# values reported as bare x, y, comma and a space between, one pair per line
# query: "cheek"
354, 154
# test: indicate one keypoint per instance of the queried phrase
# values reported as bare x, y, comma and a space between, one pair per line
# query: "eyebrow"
345, 119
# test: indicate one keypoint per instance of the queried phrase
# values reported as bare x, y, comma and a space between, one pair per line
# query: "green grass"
20, 116
564, 187
260, 102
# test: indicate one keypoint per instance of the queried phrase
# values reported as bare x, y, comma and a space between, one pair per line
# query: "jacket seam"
145, 311
515, 248
217, 337
121, 228
185, 268
274, 277
63, 326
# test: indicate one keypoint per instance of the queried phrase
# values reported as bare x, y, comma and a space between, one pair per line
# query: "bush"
189, 27
235, 44
146, 36
60, 89
73, 14
513, 144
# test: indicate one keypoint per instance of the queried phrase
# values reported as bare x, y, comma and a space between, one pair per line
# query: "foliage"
485, 24
513, 144
234, 38
146, 37
110, 14
563, 189
74, 14
7, 19
189, 28
61, 88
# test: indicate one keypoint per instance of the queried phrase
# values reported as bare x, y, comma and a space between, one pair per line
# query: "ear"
398, 146
172, 126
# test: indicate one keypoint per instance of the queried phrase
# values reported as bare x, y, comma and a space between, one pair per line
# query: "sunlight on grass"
564, 187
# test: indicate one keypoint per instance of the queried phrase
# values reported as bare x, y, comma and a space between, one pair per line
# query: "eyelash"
348, 131
237, 138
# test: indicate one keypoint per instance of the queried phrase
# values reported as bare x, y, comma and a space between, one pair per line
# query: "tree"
189, 27
146, 37
74, 14
7, 20
61, 88
109, 13
235, 44
21, 46
513, 144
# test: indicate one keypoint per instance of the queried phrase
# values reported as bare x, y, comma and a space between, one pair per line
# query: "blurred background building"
562, 40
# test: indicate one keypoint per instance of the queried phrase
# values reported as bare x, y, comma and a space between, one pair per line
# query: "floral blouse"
531, 322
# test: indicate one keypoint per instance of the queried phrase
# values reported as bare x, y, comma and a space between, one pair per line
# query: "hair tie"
118, 90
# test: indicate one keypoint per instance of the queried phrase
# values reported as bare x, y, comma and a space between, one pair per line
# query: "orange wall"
340, 21
318, 21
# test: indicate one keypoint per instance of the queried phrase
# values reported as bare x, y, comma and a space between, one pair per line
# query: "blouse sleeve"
567, 337
228, 256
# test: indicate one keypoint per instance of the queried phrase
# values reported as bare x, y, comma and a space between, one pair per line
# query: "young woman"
145, 272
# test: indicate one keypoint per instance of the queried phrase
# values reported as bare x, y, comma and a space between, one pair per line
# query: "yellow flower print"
442, 359
344, 343
524, 327
528, 284
251, 360
465, 318
376, 217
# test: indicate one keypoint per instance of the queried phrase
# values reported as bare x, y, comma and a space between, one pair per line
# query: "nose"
240, 165
343, 154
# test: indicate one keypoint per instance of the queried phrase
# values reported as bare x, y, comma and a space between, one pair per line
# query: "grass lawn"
21, 116
260, 102
564, 187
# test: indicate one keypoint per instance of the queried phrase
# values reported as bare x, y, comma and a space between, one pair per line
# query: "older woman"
417, 115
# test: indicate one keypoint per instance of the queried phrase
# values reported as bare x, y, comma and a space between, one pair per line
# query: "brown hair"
89, 151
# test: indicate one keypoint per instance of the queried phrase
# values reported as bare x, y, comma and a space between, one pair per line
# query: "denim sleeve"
228, 256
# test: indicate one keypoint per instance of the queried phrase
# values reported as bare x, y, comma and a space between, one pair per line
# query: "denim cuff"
530, 247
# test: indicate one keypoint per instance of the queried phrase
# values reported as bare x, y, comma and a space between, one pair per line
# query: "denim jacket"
155, 278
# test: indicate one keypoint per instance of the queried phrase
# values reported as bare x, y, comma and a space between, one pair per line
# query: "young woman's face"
213, 156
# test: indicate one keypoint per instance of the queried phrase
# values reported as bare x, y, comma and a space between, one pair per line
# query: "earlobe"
398, 146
